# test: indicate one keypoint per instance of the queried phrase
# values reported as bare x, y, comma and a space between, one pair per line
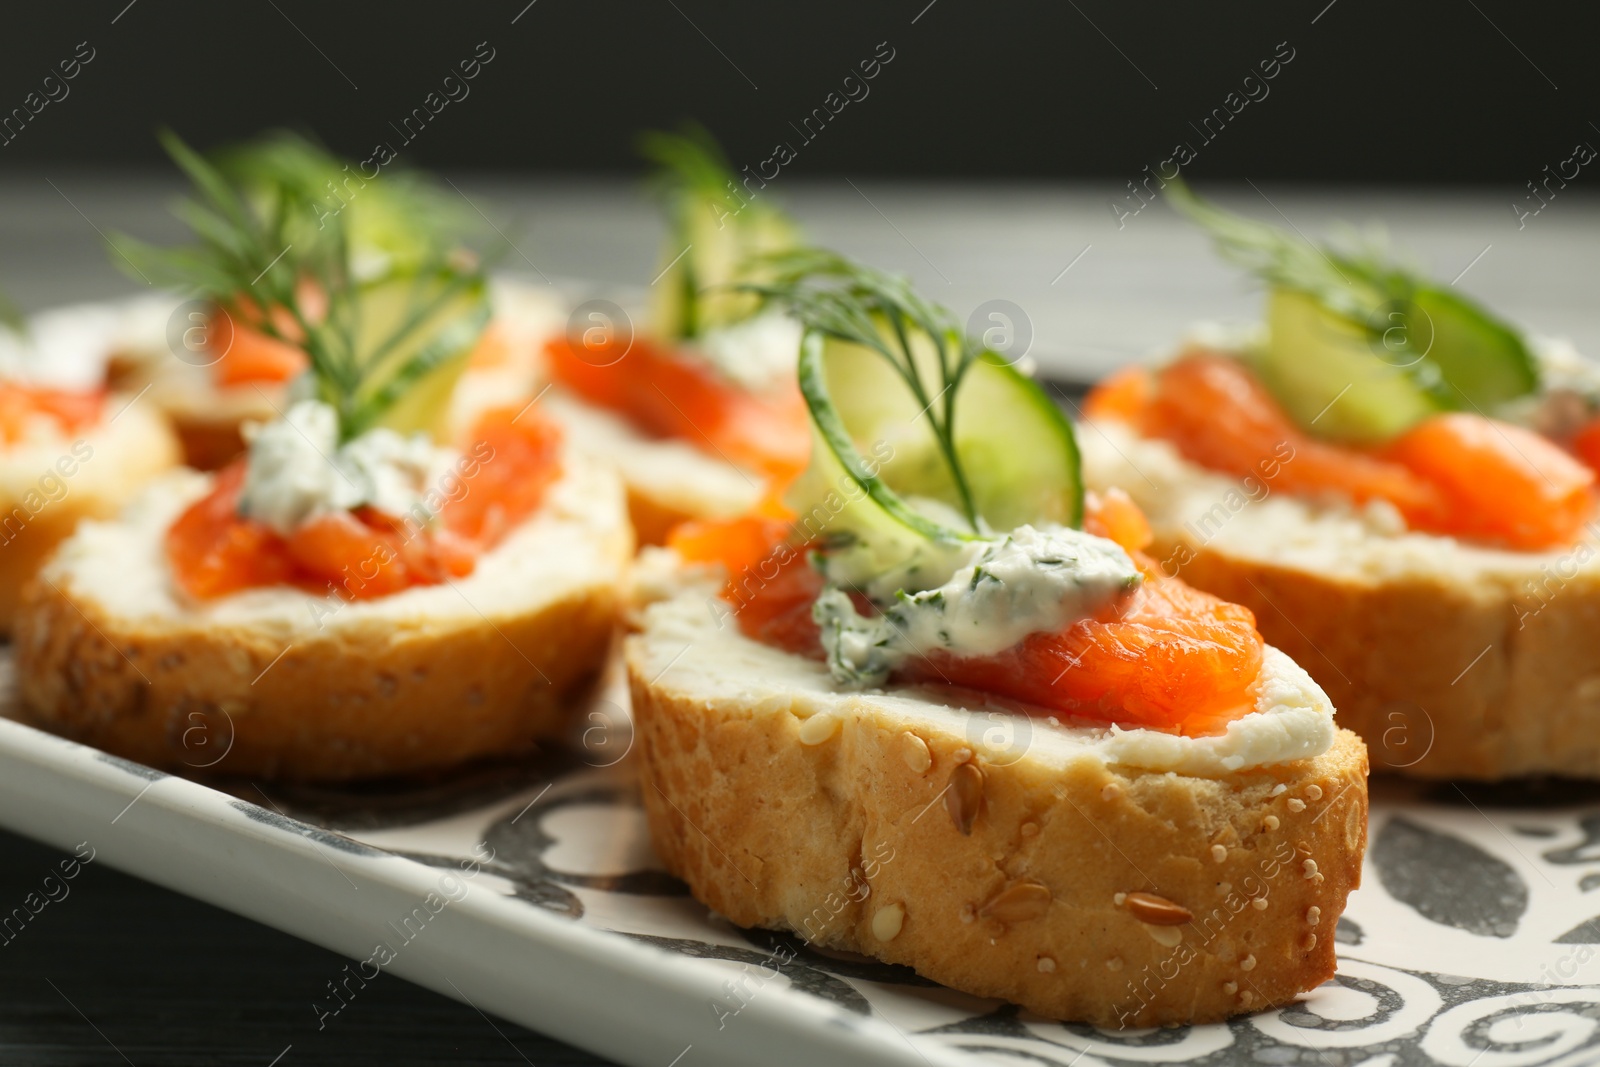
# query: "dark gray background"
1452, 91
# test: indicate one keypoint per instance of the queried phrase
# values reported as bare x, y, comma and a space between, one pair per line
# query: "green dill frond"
718, 226
1354, 284
267, 248
1453, 349
837, 297
395, 218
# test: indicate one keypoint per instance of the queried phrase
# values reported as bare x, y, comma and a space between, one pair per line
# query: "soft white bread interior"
306, 686
1121, 878
1453, 660
668, 481
50, 483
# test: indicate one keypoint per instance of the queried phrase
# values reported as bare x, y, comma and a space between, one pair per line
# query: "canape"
939, 710
353, 597
1402, 488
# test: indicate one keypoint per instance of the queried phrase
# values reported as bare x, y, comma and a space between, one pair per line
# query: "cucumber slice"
696, 293
407, 385
878, 477
1365, 383
1321, 366
1482, 361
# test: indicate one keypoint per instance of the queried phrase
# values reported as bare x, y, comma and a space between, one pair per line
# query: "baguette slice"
1452, 660
997, 854
48, 487
281, 683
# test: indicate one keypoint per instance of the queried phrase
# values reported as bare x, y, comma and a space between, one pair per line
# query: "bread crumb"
1052, 720
1119, 898
1278, 790
1311, 942
1270, 822
1259, 903
1313, 915
886, 922
1248, 963
1114, 963
915, 751
962, 754
1296, 804
1110, 792
1219, 853
1028, 829
1246, 997
1310, 868
1046, 965
1313, 792
818, 728
1230, 988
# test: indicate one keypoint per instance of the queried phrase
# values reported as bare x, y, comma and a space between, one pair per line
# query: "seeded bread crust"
123, 460
1445, 676
1019, 879
368, 695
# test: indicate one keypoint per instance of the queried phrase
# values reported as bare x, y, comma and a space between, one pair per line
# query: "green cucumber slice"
406, 385
1382, 345
1321, 367
878, 478
1482, 361
708, 252
1366, 382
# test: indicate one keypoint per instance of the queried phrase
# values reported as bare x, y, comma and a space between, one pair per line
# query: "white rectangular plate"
530, 891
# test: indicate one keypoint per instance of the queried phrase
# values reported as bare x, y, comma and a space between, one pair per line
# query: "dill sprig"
1353, 285
395, 219
1448, 345
266, 243
881, 312
718, 229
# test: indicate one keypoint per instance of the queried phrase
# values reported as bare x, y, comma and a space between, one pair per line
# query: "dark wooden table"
120, 970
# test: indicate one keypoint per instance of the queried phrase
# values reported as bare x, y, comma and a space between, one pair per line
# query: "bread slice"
1452, 660
48, 486
1120, 878
668, 481
281, 683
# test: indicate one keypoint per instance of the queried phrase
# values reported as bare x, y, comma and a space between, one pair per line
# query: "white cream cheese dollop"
297, 470
1029, 581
